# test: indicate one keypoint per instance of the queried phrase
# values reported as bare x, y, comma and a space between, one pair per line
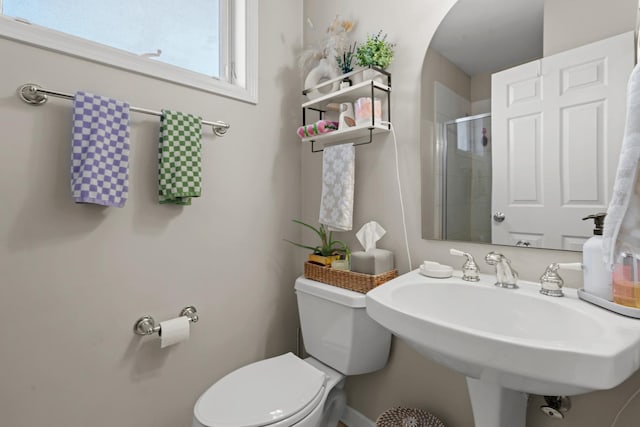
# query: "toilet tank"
337, 330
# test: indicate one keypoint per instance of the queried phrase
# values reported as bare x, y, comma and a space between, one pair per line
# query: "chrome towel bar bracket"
146, 325
34, 94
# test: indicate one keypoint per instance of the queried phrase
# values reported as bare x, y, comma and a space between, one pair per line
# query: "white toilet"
285, 390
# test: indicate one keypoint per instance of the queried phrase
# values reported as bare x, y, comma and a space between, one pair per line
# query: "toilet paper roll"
174, 331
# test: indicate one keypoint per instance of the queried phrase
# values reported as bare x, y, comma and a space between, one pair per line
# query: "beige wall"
437, 68
480, 87
76, 277
573, 23
410, 379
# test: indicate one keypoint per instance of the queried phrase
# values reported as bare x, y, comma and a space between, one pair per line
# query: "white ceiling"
481, 36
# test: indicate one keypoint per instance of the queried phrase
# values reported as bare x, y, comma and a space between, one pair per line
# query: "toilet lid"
260, 394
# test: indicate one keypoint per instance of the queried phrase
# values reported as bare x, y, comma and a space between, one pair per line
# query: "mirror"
523, 106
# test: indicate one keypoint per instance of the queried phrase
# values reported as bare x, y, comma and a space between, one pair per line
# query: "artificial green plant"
327, 246
345, 60
375, 51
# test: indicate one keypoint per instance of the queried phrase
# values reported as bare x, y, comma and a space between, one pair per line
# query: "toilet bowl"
285, 390
279, 392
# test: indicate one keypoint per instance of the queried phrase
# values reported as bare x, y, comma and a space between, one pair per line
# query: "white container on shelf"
365, 109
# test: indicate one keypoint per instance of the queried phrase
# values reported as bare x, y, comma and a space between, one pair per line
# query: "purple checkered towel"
100, 150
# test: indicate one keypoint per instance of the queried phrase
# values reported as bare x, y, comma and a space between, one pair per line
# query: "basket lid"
408, 417
331, 293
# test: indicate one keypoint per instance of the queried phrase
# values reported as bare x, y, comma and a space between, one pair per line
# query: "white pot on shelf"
371, 74
345, 83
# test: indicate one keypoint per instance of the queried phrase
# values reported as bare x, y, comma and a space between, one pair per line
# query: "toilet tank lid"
261, 393
331, 293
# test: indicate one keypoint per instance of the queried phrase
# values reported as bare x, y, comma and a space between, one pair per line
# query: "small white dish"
438, 272
430, 264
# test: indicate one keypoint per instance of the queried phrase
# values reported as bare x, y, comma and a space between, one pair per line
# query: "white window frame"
235, 87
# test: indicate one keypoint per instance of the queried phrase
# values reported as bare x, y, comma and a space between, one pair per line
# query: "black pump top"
598, 219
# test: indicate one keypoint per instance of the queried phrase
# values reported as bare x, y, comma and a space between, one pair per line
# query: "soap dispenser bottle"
597, 277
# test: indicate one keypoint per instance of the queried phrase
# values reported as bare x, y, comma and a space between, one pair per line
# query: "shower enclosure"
466, 188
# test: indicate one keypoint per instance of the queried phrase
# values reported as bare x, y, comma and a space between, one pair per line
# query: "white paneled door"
558, 125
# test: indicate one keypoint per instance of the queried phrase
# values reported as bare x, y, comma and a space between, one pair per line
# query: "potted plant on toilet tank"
328, 250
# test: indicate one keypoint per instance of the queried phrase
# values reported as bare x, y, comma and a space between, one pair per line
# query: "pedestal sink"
508, 342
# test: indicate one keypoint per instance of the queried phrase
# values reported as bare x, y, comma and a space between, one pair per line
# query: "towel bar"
33, 94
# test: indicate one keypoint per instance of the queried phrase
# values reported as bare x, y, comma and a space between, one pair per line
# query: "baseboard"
353, 418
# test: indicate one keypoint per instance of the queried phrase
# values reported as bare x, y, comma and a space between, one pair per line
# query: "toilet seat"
272, 392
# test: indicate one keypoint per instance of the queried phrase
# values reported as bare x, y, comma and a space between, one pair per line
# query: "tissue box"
373, 261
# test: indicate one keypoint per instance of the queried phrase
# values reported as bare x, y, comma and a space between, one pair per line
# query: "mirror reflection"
523, 108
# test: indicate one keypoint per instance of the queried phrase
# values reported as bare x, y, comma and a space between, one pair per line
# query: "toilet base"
334, 407
330, 410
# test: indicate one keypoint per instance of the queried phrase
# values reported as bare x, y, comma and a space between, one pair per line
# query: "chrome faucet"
505, 275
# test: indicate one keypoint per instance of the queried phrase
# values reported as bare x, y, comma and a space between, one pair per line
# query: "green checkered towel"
179, 158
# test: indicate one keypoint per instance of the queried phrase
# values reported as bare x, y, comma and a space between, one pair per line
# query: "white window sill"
35, 35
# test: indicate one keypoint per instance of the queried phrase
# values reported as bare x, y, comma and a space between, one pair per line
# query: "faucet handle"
470, 270
551, 283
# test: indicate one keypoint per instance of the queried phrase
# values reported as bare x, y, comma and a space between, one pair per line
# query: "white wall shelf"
362, 133
349, 133
349, 94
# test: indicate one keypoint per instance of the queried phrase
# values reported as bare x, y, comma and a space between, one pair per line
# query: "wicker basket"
408, 417
351, 280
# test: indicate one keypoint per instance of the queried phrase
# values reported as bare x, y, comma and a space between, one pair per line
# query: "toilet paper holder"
146, 325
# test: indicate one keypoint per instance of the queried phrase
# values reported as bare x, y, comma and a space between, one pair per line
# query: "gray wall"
573, 23
409, 379
76, 277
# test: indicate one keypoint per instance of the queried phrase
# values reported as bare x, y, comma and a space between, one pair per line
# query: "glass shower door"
466, 189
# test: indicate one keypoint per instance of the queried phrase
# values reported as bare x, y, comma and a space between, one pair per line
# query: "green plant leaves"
376, 51
327, 246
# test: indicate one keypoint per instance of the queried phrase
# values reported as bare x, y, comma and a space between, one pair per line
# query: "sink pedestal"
495, 406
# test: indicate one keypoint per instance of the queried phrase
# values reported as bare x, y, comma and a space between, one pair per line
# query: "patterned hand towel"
100, 150
338, 181
179, 158
317, 128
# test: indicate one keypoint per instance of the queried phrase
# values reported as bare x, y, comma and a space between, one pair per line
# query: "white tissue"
369, 234
174, 331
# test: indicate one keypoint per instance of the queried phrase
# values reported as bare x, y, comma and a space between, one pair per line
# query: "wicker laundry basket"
408, 417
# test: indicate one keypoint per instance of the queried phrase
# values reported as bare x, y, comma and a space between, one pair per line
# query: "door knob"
499, 216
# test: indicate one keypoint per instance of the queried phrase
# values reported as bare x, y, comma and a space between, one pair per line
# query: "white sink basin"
515, 339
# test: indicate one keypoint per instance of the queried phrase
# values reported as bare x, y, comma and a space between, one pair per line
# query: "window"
208, 44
